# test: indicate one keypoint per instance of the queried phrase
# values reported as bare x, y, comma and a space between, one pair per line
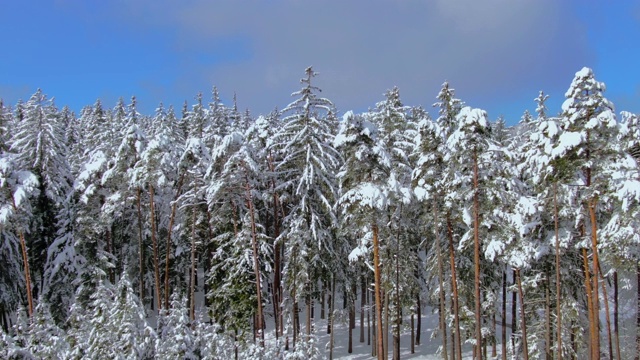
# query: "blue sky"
497, 54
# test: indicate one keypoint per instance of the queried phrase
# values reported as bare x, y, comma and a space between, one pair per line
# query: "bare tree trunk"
396, 333
587, 281
476, 254
442, 302
374, 343
607, 317
547, 315
154, 242
27, 273
419, 316
616, 332
351, 306
329, 323
322, 299
413, 331
525, 348
256, 260
277, 249
558, 277
385, 297
332, 305
140, 245
596, 277
192, 282
363, 304
454, 286
296, 321
504, 314
172, 217
514, 315
494, 350
308, 312
368, 313
111, 272
377, 285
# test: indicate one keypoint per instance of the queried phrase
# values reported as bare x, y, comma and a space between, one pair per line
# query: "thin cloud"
488, 50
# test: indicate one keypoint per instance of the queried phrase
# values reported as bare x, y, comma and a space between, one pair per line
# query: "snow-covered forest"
206, 232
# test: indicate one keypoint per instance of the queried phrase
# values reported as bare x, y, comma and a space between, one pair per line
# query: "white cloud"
488, 50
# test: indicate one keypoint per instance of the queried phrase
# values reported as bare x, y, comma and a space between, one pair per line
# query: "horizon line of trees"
518, 237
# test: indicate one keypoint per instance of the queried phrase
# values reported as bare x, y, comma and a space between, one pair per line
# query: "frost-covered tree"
176, 339
17, 185
39, 145
45, 340
588, 148
242, 252
364, 194
308, 169
468, 148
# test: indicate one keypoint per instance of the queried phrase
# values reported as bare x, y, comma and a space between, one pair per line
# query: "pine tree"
176, 339
587, 146
308, 166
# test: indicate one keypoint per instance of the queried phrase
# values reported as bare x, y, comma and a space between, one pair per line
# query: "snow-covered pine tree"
396, 134
17, 186
308, 169
176, 338
468, 148
364, 195
588, 148
242, 251
39, 145
45, 340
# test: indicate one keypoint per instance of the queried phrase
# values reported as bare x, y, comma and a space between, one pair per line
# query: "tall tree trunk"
154, 242
351, 306
374, 343
587, 281
385, 297
419, 316
504, 315
296, 321
27, 273
525, 348
454, 286
363, 304
476, 254
494, 350
607, 317
558, 278
308, 312
329, 324
192, 278
323, 284
277, 286
140, 245
514, 315
256, 260
398, 314
172, 217
377, 286
453, 335
616, 332
547, 315
111, 271
368, 316
413, 332
596, 276
442, 302
332, 304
